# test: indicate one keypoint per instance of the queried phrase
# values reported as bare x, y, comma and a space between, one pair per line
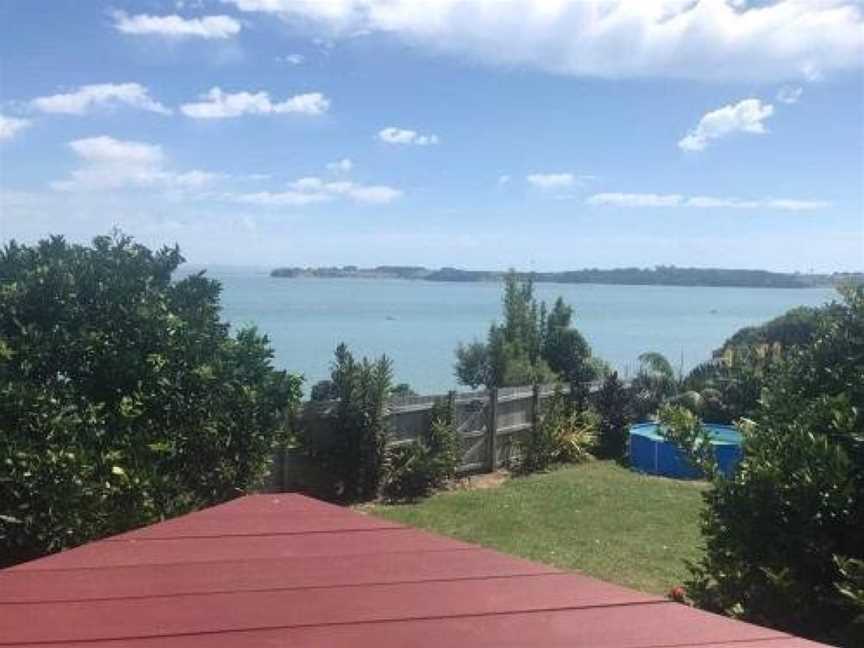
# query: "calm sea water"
418, 324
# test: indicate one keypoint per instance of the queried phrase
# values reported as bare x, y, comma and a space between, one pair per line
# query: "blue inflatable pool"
651, 453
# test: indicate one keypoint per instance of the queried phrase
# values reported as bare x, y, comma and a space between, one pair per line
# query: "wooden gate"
473, 414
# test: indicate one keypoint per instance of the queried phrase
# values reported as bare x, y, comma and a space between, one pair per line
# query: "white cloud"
340, 166
634, 200
701, 202
747, 116
280, 199
373, 194
174, 26
551, 180
220, 105
503, 180
311, 190
291, 59
108, 149
394, 135
11, 126
105, 95
109, 163
797, 205
789, 94
377, 194
708, 39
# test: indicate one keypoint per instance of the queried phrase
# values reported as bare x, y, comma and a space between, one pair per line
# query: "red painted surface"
27, 586
257, 524
287, 570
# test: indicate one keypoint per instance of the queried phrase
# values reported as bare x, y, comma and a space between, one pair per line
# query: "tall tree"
353, 455
531, 345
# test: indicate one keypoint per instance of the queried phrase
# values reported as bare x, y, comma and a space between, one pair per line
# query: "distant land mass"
658, 276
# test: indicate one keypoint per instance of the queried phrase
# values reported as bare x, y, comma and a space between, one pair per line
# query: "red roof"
287, 570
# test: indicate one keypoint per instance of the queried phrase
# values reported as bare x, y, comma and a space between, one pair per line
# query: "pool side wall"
656, 457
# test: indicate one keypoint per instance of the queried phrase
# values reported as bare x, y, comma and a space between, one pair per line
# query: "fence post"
493, 428
535, 408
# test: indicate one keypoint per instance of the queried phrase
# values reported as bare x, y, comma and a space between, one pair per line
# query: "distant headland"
657, 276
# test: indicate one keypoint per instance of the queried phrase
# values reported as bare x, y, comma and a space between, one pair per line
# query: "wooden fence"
489, 425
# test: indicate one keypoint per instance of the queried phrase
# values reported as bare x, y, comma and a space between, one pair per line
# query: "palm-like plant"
654, 383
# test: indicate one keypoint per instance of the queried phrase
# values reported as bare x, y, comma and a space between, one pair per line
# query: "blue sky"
480, 134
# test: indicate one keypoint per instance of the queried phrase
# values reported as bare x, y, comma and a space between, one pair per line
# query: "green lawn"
598, 518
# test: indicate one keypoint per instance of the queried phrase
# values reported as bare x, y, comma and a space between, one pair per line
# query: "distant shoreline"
659, 276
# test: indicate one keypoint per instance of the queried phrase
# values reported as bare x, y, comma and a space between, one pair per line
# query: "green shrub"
123, 398
683, 428
783, 534
415, 470
613, 406
565, 434
354, 451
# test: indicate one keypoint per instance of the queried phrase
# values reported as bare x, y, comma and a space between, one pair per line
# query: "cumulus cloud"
311, 190
747, 116
551, 180
703, 202
789, 94
109, 163
100, 95
217, 104
394, 135
291, 59
378, 194
11, 126
174, 26
108, 149
709, 39
340, 166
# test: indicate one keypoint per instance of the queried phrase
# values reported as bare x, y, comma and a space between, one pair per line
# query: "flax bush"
565, 434
417, 469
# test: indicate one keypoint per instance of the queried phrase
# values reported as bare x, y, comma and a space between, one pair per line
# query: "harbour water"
419, 323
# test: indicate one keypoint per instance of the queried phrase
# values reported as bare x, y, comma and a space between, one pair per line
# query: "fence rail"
489, 424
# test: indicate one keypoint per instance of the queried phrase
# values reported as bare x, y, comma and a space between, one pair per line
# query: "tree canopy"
531, 345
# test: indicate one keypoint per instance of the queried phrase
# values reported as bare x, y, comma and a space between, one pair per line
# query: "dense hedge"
123, 397
785, 536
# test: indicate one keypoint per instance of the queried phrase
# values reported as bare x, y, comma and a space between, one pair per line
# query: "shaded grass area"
598, 518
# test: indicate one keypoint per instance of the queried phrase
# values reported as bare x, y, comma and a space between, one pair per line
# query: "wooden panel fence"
489, 423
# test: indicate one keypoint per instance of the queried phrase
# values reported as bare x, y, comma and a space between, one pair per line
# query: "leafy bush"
683, 428
796, 327
783, 534
323, 390
416, 469
729, 387
123, 398
851, 587
613, 406
565, 434
353, 454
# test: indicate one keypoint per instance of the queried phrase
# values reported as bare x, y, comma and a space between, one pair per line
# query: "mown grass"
598, 518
